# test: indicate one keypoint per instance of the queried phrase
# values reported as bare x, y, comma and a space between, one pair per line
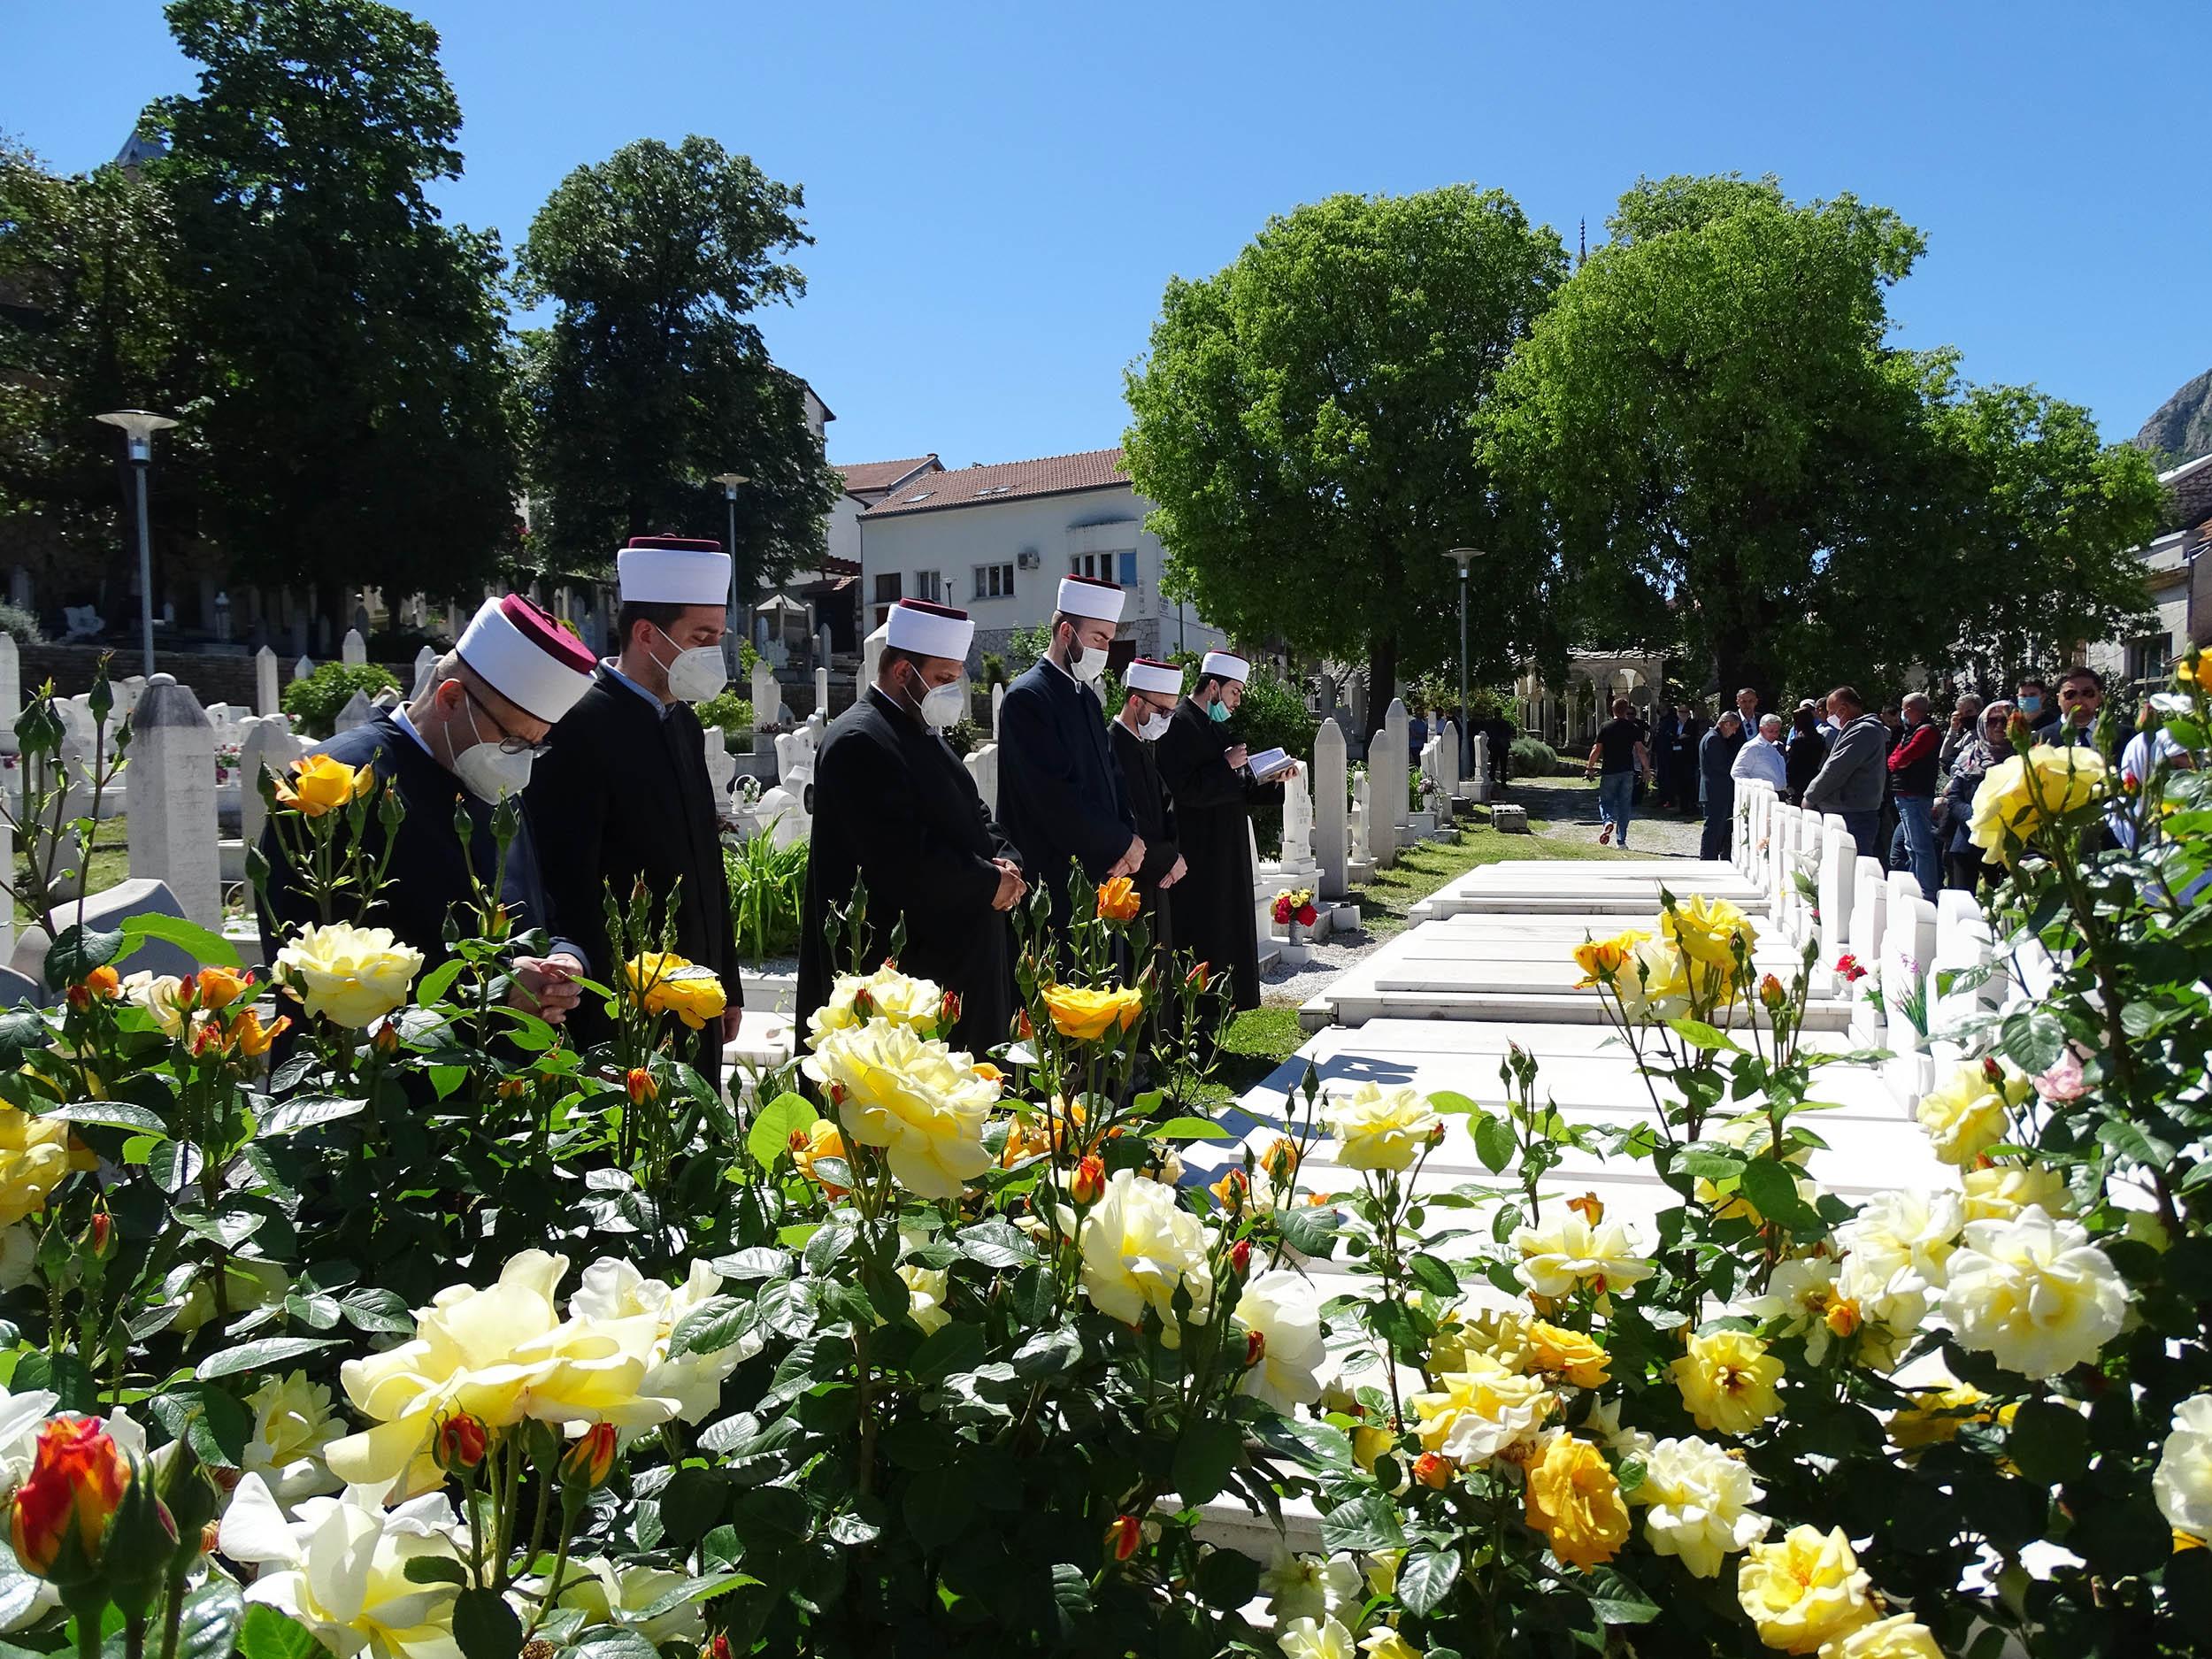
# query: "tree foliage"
353, 412
652, 378
1734, 461
1304, 421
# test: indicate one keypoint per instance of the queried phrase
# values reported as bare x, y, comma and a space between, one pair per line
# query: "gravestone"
1297, 858
998, 699
303, 666
353, 647
358, 711
821, 689
1390, 812
296, 642
872, 653
721, 768
982, 764
765, 697
172, 799
1447, 768
1478, 785
1837, 888
264, 745
425, 665
1332, 812
265, 698
1508, 818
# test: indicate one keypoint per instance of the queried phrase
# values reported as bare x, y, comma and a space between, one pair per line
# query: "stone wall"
213, 676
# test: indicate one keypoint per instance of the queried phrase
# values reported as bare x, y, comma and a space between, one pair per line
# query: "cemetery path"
1567, 808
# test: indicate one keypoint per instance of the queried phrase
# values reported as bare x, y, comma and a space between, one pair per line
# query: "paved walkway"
1567, 808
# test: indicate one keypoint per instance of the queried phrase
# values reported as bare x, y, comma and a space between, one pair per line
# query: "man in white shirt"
1762, 757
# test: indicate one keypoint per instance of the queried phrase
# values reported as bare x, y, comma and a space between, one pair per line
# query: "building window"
929, 585
994, 581
1105, 567
2151, 657
887, 596
1127, 568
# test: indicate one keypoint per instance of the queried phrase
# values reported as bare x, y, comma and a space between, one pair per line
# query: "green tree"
88, 324
353, 417
652, 378
1729, 455
1305, 422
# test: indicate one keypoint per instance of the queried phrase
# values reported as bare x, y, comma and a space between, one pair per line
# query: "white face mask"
696, 674
1152, 728
489, 771
1088, 665
941, 706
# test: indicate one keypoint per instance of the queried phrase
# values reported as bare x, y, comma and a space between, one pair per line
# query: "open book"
1269, 764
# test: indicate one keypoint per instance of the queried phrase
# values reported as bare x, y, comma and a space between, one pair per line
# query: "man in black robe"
1154, 690
1204, 769
893, 807
626, 780
467, 740
1060, 795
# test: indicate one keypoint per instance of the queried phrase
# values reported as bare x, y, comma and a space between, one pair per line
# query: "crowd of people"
1903, 783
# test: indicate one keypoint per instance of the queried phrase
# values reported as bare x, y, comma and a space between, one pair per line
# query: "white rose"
1309, 1587
2034, 1292
1307, 1639
926, 1289
1899, 1235
1282, 1309
293, 1427
1139, 1246
1568, 1251
2183, 1484
613, 1293
1697, 1504
1377, 1128
604, 1589
353, 976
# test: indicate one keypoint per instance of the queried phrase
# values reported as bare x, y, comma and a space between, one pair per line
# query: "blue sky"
999, 193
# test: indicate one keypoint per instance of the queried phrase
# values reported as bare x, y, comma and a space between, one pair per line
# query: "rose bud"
1433, 1470
460, 1444
61, 1513
1089, 1185
1770, 992
1124, 1536
642, 1089
1590, 1207
386, 1039
590, 1460
1255, 1346
1240, 1256
1197, 975
949, 1015
99, 1236
1280, 1160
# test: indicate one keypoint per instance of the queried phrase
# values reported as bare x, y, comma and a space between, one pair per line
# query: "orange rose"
1118, 900
62, 1511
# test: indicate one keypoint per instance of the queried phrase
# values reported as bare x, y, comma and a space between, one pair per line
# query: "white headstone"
821, 691
982, 765
172, 799
998, 699
358, 711
425, 665
1297, 823
1479, 788
304, 667
766, 699
11, 695
1389, 815
721, 768
353, 647
872, 654
1839, 885
264, 745
1447, 766
265, 698
1332, 813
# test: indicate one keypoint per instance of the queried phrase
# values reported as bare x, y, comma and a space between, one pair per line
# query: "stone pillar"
1331, 809
765, 697
1479, 786
821, 686
1397, 773
1447, 766
353, 647
998, 699
1838, 883
302, 667
264, 745
172, 799
426, 665
358, 711
265, 699
1387, 805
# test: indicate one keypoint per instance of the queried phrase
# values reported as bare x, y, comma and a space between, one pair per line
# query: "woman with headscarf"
1964, 868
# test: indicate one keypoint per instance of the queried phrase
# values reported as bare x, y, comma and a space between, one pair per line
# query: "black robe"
1216, 911
1059, 791
893, 805
429, 870
1156, 822
624, 793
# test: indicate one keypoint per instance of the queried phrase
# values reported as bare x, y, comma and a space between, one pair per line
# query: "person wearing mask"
1204, 769
1964, 868
1716, 753
1965, 727
2080, 701
1762, 759
894, 808
2032, 696
1155, 689
1808, 750
1617, 760
1060, 797
1912, 774
626, 779
1851, 778
464, 742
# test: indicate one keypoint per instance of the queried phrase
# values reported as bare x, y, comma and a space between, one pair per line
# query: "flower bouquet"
1296, 910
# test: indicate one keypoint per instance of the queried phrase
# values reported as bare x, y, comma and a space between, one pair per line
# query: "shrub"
727, 710
1532, 758
767, 895
20, 626
993, 669
316, 702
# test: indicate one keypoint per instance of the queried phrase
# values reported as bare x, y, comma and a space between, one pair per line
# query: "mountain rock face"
2182, 428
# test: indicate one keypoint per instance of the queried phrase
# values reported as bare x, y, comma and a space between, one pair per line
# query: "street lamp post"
139, 426
1464, 556
738, 616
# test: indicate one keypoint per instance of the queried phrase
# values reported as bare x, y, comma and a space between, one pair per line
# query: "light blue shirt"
607, 666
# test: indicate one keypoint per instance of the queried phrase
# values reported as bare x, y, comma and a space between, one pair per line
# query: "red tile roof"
978, 486
863, 476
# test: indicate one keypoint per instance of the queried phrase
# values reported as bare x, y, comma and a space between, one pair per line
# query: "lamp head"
1465, 556
729, 482
139, 426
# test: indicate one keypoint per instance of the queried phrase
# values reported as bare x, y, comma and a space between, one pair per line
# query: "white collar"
400, 718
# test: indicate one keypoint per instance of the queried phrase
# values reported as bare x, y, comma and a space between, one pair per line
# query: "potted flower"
1294, 909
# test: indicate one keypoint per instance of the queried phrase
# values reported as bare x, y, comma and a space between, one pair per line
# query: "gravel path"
1568, 809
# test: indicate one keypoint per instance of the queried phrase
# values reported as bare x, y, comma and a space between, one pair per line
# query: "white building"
2172, 563
996, 541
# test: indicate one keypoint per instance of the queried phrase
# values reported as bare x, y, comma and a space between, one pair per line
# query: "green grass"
111, 856
1257, 1041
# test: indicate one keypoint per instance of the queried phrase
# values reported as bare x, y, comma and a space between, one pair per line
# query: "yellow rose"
1804, 1590
819, 1140
1087, 1015
36, 1156
1570, 1250
886, 993
501, 1354
351, 975
2023, 795
1964, 1115
2002, 1191
1377, 1128
913, 1096
1655, 986
669, 984
293, 1424
925, 1287
1475, 1414
1382, 1642
1139, 1246
1602, 959
1727, 1381
2035, 1292
1751, 1134
1900, 1636
320, 784
1568, 1355
1575, 1501
1935, 1414
1709, 931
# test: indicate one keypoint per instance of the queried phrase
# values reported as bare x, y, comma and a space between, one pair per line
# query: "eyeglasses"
509, 743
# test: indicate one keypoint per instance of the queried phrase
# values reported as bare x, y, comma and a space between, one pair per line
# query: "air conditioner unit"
1027, 558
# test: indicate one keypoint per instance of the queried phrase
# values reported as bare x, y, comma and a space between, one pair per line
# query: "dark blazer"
1154, 808
1060, 794
1216, 917
624, 795
893, 805
429, 874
